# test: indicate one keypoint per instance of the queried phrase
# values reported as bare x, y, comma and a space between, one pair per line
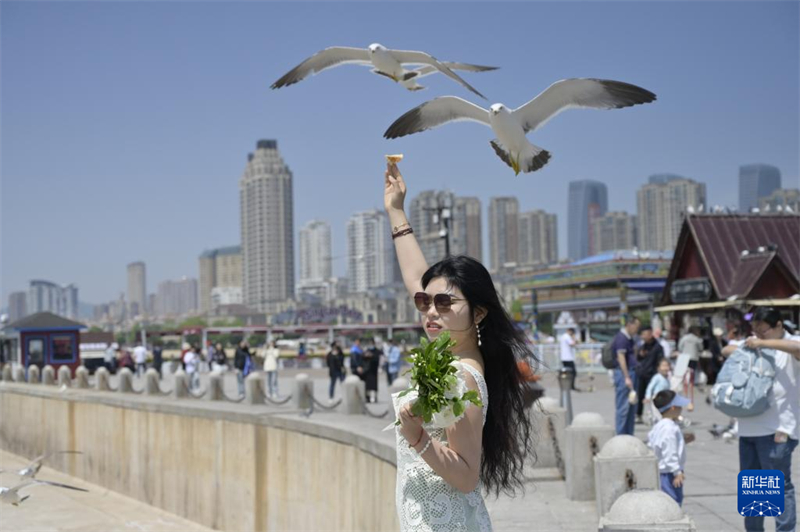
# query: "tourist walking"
242, 361
393, 360
767, 440
158, 358
372, 364
140, 357
567, 343
440, 485
271, 356
335, 362
191, 363
625, 377
220, 360
357, 359
648, 356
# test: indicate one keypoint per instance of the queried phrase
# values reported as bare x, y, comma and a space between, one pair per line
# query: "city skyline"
182, 131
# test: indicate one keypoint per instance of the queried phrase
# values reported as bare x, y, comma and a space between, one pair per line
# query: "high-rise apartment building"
538, 238
661, 208
267, 224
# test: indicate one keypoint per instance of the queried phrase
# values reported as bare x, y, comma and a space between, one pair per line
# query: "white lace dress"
425, 502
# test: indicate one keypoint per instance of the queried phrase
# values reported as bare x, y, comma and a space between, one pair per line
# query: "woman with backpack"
768, 439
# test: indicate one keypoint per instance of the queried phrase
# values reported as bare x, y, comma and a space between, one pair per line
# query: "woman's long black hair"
507, 434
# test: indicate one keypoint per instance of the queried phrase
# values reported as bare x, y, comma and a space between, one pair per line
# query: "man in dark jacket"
240, 362
372, 363
158, 359
648, 357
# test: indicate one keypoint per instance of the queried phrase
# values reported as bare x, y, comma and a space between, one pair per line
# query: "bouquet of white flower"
441, 390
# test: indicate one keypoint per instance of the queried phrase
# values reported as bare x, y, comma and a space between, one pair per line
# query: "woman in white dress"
442, 474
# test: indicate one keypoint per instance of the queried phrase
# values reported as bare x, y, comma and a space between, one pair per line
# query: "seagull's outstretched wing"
36, 463
579, 92
327, 58
421, 58
428, 70
34, 482
435, 113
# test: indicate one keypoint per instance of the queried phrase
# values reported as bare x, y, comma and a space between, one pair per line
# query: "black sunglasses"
442, 302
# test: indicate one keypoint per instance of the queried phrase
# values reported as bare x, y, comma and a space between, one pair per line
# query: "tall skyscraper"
137, 288
756, 181
661, 209
538, 238
315, 251
466, 236
588, 200
267, 228
46, 296
17, 306
176, 298
370, 251
503, 231
613, 231
219, 268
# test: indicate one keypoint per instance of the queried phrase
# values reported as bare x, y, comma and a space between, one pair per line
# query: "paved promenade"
710, 490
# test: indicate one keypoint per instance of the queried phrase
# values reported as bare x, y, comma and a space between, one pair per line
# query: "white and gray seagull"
511, 125
385, 62
12, 496
30, 470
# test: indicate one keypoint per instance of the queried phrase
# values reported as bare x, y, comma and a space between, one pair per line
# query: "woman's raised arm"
412, 261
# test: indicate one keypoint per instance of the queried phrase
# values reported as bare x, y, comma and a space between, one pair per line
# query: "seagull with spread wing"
33, 468
12, 496
511, 125
385, 62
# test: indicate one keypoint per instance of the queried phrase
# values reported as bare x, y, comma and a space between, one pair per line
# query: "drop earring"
479, 334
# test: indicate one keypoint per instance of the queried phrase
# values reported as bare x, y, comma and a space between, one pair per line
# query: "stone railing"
249, 466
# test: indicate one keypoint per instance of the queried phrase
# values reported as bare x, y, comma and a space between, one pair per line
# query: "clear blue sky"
126, 126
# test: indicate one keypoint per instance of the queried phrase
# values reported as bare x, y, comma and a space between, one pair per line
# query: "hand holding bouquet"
442, 394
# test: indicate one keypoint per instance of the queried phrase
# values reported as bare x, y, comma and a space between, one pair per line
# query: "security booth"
45, 338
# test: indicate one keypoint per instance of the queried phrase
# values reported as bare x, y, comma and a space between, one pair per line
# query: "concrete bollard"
584, 438
8, 375
623, 464
101, 377
19, 374
49, 375
645, 511
125, 381
181, 384
64, 377
549, 421
254, 389
398, 385
151, 382
215, 390
82, 377
303, 396
33, 375
353, 396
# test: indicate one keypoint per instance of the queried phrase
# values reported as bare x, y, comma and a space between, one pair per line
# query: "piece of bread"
394, 159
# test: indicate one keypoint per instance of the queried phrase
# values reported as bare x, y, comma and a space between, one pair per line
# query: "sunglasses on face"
442, 302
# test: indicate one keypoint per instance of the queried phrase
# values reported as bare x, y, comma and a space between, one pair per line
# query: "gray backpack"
744, 382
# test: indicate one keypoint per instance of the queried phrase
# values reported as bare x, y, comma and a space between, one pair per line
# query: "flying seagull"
385, 62
33, 468
511, 126
12, 496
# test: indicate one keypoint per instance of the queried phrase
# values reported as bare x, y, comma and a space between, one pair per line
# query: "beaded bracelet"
425, 448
